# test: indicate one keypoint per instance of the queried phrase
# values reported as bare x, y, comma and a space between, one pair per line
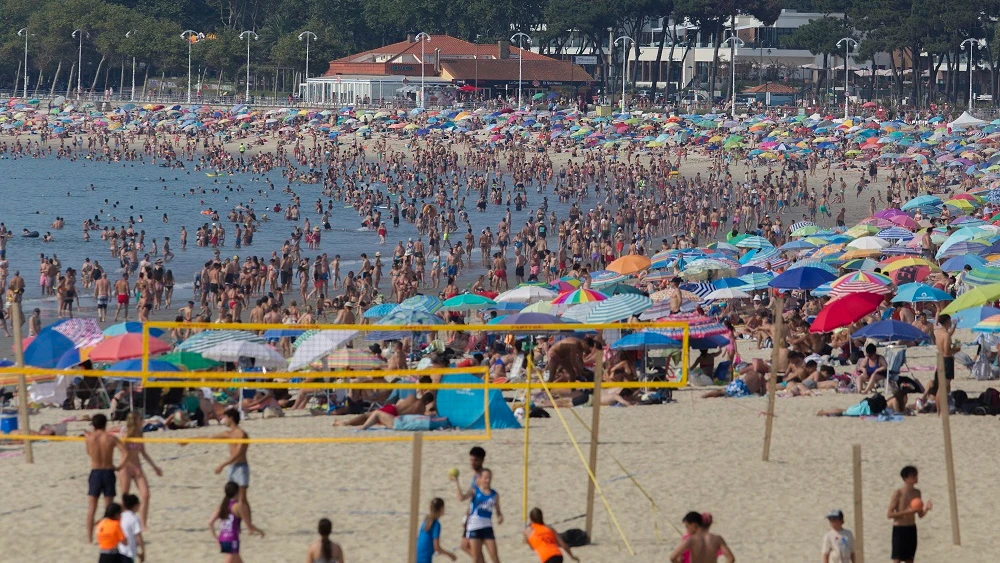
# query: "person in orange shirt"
544, 540
110, 534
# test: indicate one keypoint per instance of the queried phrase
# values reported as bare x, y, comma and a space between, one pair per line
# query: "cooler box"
8, 422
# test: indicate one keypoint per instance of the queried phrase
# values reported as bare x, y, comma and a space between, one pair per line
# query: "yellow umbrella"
908, 262
860, 253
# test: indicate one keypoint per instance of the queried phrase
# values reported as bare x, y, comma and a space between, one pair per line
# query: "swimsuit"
101, 481
229, 532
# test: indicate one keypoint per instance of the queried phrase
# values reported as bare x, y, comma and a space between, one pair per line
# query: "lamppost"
79, 61
422, 37
847, 77
248, 35
970, 41
130, 34
24, 31
625, 40
520, 36
192, 37
760, 66
734, 44
307, 35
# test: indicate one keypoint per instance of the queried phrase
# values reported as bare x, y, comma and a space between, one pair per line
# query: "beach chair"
896, 358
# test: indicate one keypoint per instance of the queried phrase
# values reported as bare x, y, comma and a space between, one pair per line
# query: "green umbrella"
621, 288
973, 298
468, 302
190, 360
538, 96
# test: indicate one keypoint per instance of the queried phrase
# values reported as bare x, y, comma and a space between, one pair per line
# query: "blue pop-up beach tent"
464, 407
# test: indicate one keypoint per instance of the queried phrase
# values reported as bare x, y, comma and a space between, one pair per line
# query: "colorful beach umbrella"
191, 361
618, 307
125, 347
576, 296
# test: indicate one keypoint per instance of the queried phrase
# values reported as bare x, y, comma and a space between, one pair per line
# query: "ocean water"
36, 191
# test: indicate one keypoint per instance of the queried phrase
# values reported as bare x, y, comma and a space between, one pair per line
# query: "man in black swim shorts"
101, 448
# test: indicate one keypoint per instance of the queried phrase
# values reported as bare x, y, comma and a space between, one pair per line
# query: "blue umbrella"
645, 340
802, 278
891, 330
728, 282
277, 333
958, 263
531, 319
797, 245
136, 365
378, 311
46, 349
70, 359
919, 292
507, 306
969, 318
704, 343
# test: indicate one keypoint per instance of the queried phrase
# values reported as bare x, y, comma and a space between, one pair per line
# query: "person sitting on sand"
870, 369
623, 370
871, 406
749, 382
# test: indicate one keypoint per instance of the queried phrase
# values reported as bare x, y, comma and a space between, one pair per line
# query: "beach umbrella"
753, 282
959, 248
727, 293
468, 302
629, 264
410, 317
801, 278
131, 326
530, 319
231, 351
603, 279
576, 296
352, 358
972, 316
858, 282
192, 361
526, 294
208, 339
894, 233
705, 268
83, 332
46, 349
982, 275
645, 340
427, 303
379, 311
578, 313
312, 347
699, 326
544, 307
620, 288
865, 264
126, 346
891, 330
919, 293
844, 311
278, 333
897, 262
728, 282
974, 297
754, 241
135, 364
797, 245
618, 307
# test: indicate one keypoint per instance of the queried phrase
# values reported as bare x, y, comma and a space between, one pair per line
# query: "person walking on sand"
477, 457
133, 547
230, 515
838, 543
110, 534
906, 503
429, 540
132, 465
323, 550
239, 469
101, 448
546, 543
479, 527
704, 546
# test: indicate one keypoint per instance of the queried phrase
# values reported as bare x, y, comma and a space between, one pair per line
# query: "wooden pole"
776, 342
949, 458
527, 438
418, 452
859, 518
595, 434
23, 421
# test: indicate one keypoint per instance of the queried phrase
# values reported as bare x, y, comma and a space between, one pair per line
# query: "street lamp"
625, 40
24, 31
760, 66
79, 61
970, 41
847, 77
248, 35
192, 37
130, 34
734, 44
520, 36
422, 37
307, 35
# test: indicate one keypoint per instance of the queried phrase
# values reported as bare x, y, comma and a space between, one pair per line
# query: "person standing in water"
323, 550
230, 515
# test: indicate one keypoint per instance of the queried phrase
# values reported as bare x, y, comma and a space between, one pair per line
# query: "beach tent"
464, 407
965, 120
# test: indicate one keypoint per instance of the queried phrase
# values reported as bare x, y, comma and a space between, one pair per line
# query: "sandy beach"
702, 454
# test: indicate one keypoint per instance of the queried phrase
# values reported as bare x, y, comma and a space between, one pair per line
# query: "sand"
702, 454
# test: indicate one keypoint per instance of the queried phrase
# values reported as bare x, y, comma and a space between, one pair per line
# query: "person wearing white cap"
838, 543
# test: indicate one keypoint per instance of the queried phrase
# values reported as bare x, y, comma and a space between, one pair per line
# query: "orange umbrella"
629, 264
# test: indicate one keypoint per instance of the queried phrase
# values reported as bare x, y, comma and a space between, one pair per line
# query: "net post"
23, 418
415, 470
859, 518
595, 427
527, 438
949, 457
776, 342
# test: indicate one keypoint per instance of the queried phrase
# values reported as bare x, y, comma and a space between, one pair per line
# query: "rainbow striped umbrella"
861, 282
576, 296
989, 324
699, 326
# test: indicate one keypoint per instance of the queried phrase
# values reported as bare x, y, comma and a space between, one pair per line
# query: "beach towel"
419, 423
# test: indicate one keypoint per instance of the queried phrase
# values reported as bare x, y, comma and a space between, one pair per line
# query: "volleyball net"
344, 368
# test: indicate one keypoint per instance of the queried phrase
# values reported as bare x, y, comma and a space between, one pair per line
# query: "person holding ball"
906, 503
